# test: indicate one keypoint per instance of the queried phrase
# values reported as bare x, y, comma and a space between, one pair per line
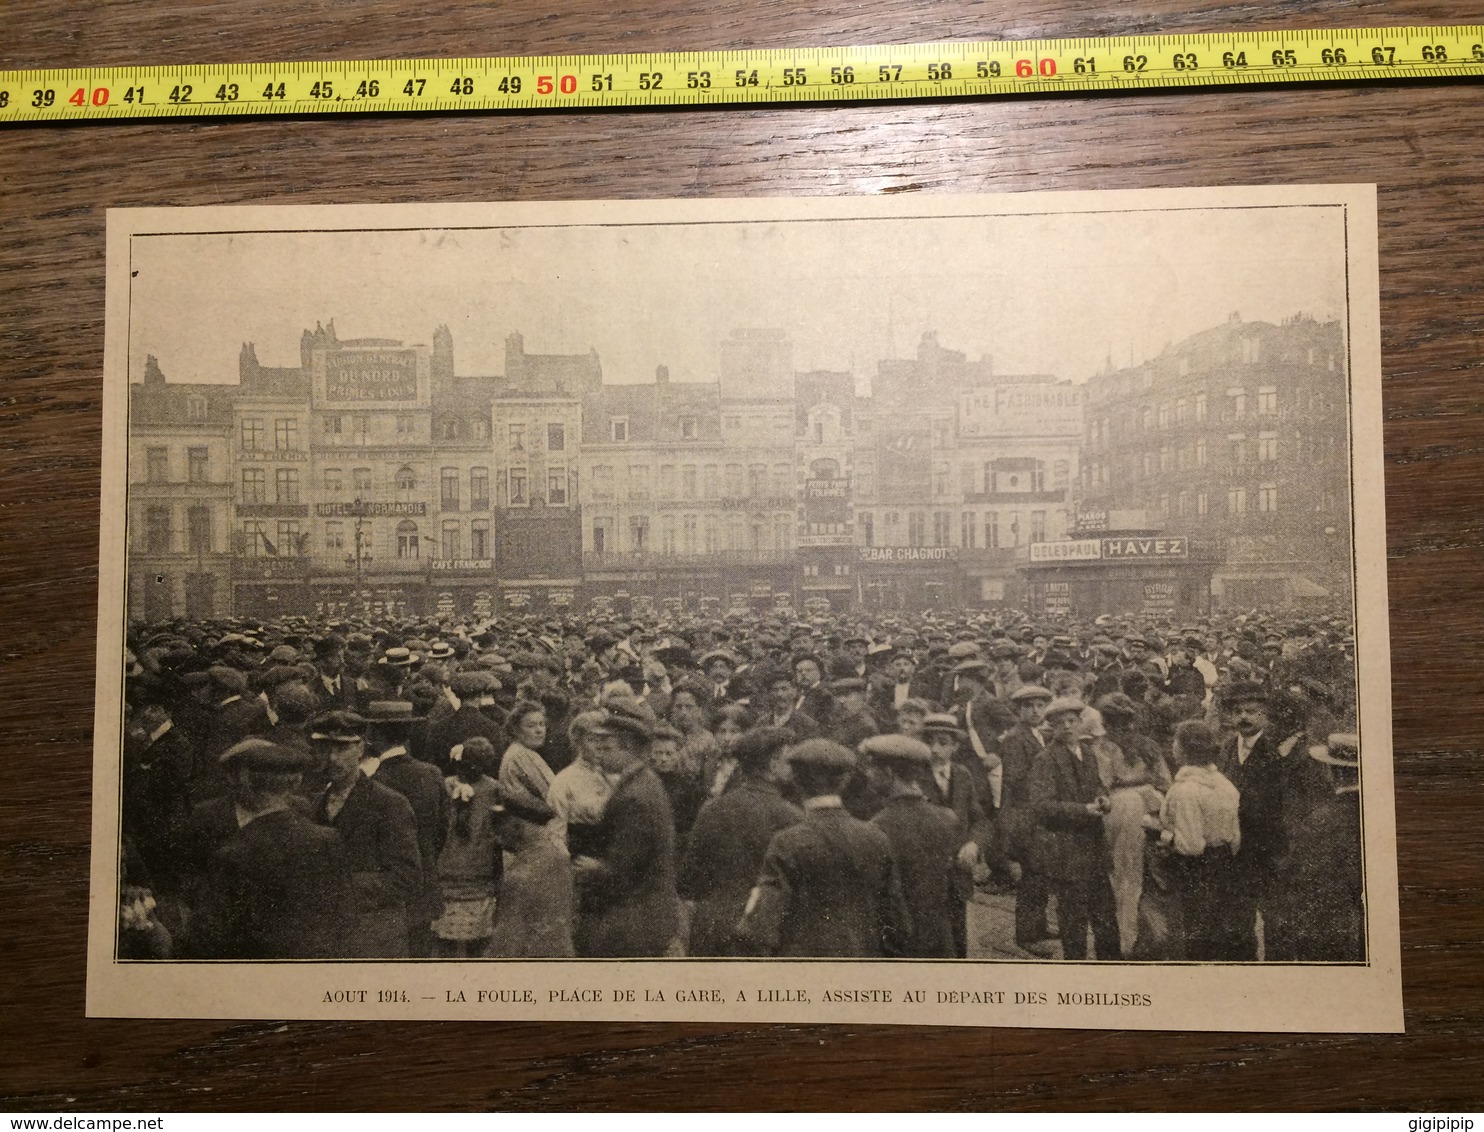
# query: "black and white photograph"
957, 609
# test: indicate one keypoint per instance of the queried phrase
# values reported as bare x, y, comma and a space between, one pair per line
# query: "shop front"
1158, 577
909, 578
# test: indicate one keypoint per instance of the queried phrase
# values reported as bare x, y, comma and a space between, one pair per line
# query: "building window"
1236, 501
479, 539
197, 464
1267, 447
915, 526
601, 526
556, 487
667, 534
967, 530
517, 438
288, 538
198, 530
1182, 411
783, 481
757, 481
449, 546
361, 480
157, 530
254, 485
689, 530
602, 481
286, 485
687, 428
688, 481
1200, 407
639, 481
1250, 350
406, 479
619, 430
405, 424
733, 488
1237, 449
517, 484
1148, 464
1164, 459
1146, 418
667, 481
1164, 506
334, 425
479, 428
991, 529
638, 533
157, 465
709, 534
1267, 497
335, 535
865, 485
940, 481
448, 479
479, 489
1061, 474
1267, 401
450, 429
1236, 404
407, 539
1164, 416
252, 434
1202, 503
867, 521
195, 407
286, 434
556, 438
711, 482
942, 528
1038, 525
254, 538
1200, 452
1182, 503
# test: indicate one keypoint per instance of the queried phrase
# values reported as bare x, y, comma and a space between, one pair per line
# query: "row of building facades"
375, 476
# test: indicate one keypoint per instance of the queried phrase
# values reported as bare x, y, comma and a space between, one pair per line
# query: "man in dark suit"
333, 690
380, 835
829, 885
278, 886
1020, 747
985, 719
234, 715
949, 783
155, 802
475, 715
388, 724
812, 698
627, 892
783, 709
1066, 795
1278, 785
933, 858
730, 838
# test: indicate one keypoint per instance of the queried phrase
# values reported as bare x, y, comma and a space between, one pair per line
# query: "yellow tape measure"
707, 78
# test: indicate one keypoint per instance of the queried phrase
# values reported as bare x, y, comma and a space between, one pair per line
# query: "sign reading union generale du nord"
1111, 549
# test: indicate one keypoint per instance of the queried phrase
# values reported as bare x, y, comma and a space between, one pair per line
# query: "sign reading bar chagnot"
909, 554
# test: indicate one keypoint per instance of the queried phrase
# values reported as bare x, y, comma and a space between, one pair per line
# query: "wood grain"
1419, 143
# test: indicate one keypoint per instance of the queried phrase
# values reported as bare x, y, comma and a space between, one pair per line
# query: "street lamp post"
360, 557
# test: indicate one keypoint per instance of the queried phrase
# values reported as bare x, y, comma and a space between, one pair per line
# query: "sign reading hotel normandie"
196, 283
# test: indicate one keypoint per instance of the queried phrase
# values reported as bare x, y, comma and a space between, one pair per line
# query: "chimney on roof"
152, 373
662, 376
442, 361
247, 363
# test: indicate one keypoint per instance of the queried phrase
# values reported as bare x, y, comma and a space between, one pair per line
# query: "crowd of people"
841, 786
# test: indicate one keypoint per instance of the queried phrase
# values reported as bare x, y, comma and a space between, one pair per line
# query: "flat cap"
336, 727
391, 711
896, 748
825, 754
973, 664
228, 678
260, 754
962, 650
1064, 704
1027, 692
469, 684
944, 723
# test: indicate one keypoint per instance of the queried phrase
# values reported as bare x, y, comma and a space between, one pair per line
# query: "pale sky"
1042, 294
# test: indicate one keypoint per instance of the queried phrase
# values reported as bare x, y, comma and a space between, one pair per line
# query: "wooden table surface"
1421, 143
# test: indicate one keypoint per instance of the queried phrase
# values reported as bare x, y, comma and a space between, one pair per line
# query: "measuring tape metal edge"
821, 75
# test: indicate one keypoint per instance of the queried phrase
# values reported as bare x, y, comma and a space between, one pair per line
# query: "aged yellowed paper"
940, 610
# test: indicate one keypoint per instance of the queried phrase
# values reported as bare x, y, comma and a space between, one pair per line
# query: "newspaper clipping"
956, 610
